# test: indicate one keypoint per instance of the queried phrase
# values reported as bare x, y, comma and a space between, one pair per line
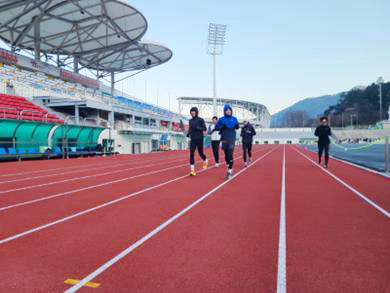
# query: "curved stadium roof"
135, 56
260, 111
71, 27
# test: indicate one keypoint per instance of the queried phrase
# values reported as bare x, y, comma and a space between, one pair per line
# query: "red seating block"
23, 109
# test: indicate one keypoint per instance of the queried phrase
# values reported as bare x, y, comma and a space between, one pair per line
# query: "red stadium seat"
23, 109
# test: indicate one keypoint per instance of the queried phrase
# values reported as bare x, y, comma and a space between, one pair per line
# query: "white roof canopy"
72, 27
135, 56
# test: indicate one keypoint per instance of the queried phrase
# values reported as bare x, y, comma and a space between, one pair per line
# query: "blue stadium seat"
57, 150
12, 151
32, 151
3, 152
22, 151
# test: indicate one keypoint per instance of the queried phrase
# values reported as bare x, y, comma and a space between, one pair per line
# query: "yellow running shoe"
205, 164
193, 173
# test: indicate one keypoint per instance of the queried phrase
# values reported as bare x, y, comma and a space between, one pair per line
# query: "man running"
227, 126
215, 140
323, 132
247, 133
195, 133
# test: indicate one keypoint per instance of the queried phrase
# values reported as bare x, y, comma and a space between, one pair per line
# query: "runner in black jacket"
195, 133
247, 133
323, 132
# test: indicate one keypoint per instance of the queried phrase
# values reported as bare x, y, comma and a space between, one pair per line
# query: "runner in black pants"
247, 133
228, 125
323, 132
215, 140
195, 133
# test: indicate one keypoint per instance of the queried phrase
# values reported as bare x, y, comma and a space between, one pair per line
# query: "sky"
276, 52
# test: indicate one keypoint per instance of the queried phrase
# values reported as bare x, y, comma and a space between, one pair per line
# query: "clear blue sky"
277, 52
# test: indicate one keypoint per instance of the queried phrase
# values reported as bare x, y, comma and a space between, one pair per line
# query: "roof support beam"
112, 83
37, 40
25, 11
76, 64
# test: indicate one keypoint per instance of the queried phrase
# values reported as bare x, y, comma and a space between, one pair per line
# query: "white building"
284, 135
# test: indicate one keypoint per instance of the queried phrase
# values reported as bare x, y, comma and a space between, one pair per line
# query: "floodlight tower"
216, 42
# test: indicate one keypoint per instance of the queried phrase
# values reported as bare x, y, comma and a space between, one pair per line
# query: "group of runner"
223, 130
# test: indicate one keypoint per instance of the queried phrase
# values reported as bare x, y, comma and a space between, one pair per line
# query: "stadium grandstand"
256, 113
49, 44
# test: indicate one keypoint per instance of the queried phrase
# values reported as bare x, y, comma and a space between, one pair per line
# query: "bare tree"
297, 119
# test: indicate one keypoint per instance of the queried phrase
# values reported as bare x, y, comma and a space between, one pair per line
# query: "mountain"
313, 106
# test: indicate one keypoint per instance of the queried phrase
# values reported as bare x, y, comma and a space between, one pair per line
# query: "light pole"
380, 82
216, 42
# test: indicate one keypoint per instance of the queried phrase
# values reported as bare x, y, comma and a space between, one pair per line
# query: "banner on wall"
70, 76
8, 57
31, 64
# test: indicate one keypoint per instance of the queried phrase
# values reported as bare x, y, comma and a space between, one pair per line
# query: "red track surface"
227, 242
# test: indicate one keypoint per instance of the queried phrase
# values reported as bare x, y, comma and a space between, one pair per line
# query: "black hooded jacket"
247, 133
197, 126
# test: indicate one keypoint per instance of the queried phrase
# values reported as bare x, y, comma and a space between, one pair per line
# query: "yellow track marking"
74, 282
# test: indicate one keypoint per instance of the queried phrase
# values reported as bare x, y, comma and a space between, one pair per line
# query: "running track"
140, 224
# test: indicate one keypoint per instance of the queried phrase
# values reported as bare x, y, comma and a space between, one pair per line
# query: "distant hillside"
360, 106
312, 106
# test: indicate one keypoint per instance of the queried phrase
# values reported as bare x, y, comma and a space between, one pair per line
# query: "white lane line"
2, 241
65, 167
281, 280
383, 174
90, 187
131, 163
358, 193
122, 161
138, 243
85, 177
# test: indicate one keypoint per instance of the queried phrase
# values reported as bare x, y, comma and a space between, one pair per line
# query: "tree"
363, 104
297, 119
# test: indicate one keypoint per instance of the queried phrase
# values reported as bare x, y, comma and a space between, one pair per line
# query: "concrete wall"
276, 141
283, 135
124, 143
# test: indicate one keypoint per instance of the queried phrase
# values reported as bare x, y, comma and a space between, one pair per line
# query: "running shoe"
193, 173
216, 165
205, 164
229, 175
